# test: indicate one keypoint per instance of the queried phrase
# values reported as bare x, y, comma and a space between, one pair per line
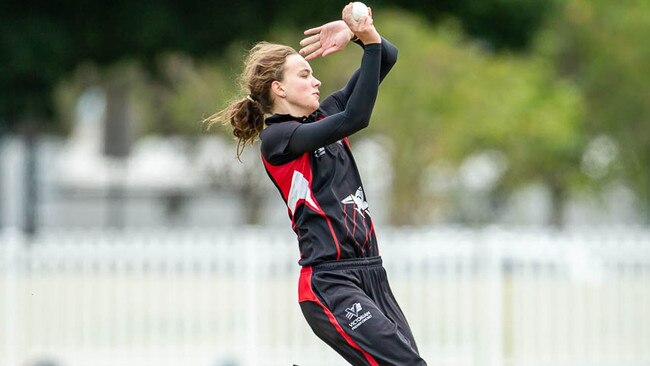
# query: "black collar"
277, 118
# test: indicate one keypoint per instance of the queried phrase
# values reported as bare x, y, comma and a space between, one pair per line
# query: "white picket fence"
485, 297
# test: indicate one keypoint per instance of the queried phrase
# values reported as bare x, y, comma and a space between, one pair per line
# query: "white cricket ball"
359, 9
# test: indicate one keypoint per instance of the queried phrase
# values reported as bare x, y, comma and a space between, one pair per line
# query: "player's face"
300, 85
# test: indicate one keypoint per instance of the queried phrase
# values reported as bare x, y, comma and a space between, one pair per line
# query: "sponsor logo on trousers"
356, 323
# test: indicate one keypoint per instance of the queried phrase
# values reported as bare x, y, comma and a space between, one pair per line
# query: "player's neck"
290, 109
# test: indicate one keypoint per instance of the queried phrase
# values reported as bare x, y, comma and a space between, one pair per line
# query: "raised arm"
336, 101
354, 117
358, 107
333, 37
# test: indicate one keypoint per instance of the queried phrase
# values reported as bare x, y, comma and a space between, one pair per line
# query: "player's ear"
277, 89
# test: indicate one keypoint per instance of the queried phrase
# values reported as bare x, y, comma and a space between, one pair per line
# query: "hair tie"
250, 98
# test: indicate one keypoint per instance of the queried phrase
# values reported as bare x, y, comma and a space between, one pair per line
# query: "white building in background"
164, 181
180, 182
159, 183
155, 166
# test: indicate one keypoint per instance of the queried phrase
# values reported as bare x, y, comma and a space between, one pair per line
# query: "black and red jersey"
310, 162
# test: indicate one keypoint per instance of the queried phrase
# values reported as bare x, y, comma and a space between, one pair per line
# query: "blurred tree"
185, 92
603, 47
41, 41
448, 99
501, 24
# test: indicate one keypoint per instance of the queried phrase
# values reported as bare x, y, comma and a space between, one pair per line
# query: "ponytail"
263, 66
246, 119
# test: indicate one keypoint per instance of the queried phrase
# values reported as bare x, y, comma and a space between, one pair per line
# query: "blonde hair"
263, 66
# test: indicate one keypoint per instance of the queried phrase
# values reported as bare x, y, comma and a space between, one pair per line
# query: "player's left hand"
325, 40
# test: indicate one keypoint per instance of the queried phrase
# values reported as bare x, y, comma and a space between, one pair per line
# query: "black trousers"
349, 305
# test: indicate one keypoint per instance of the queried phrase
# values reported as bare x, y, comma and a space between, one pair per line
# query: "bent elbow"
362, 122
389, 53
358, 122
393, 58
365, 122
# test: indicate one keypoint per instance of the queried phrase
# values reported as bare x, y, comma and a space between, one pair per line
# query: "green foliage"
448, 98
501, 24
186, 93
28, 73
603, 47
42, 42
174, 103
66, 93
504, 24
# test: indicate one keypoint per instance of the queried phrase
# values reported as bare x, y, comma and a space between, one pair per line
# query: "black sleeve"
355, 116
275, 142
335, 102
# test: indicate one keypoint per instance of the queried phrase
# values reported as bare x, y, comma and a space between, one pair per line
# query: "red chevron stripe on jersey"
294, 180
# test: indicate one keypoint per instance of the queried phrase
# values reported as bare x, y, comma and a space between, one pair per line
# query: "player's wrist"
353, 37
369, 37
